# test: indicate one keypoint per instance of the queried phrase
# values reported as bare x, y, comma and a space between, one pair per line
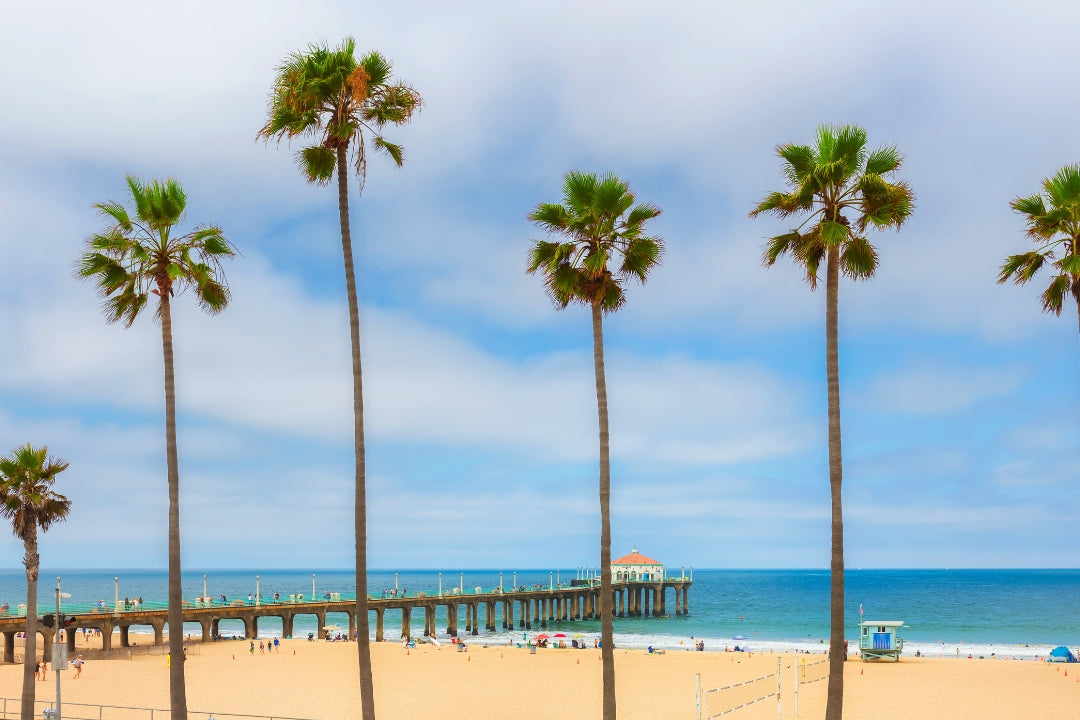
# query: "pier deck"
536, 608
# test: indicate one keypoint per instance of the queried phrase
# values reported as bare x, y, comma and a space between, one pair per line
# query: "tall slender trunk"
177, 688
32, 562
607, 630
363, 643
834, 709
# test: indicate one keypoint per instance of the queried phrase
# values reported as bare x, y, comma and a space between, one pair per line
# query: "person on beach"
251, 648
262, 648
276, 642
77, 663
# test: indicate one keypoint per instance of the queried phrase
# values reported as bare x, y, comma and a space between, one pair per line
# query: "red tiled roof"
635, 558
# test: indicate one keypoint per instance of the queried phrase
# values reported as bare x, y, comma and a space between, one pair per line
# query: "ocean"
947, 613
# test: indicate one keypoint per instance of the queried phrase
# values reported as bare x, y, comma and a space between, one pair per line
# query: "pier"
530, 608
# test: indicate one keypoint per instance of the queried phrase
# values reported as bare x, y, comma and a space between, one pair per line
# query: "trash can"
532, 649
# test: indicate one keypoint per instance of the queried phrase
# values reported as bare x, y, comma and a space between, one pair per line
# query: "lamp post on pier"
461, 584
312, 586
440, 584
257, 590
500, 581
116, 580
551, 581
558, 579
395, 584
515, 581
204, 587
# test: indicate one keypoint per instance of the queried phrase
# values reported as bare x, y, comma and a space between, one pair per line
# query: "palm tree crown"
26, 494
1053, 221
331, 97
600, 222
139, 255
835, 177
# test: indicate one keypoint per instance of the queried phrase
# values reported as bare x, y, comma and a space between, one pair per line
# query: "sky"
959, 396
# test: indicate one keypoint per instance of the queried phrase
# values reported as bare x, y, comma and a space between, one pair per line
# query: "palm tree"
1057, 229
28, 500
331, 98
829, 181
599, 221
136, 255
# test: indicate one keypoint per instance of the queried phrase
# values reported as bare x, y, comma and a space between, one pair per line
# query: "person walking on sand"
276, 643
77, 663
251, 648
262, 648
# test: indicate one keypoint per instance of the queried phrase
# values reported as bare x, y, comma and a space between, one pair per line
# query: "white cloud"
933, 389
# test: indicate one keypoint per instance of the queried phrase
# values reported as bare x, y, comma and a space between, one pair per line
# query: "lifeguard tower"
878, 639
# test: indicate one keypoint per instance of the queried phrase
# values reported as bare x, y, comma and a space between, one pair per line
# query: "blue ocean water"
1018, 613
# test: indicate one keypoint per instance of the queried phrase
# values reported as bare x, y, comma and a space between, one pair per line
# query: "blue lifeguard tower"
878, 639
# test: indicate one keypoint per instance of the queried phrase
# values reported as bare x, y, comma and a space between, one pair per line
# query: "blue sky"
961, 430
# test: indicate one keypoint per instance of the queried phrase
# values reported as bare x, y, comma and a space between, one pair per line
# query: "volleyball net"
737, 699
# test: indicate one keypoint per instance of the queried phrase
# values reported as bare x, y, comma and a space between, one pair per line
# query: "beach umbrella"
331, 628
739, 637
542, 636
560, 635
579, 635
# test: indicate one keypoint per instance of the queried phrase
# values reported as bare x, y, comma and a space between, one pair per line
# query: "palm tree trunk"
834, 709
607, 631
363, 642
29, 689
177, 688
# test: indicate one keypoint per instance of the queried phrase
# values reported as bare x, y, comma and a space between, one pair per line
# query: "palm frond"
833, 234
640, 256
1021, 267
1053, 299
799, 162
318, 163
859, 258
394, 151
883, 161
779, 246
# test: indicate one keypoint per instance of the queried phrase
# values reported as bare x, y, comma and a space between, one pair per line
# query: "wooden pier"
531, 608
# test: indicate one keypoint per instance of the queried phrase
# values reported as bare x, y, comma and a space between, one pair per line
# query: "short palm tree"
328, 96
139, 253
27, 499
1053, 221
843, 190
600, 223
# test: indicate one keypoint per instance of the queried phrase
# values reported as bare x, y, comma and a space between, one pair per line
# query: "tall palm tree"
1056, 229
331, 98
599, 222
843, 190
28, 500
136, 255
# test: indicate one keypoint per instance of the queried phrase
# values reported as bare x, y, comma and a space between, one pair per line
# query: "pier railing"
70, 608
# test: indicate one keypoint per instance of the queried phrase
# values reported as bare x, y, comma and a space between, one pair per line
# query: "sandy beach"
317, 681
